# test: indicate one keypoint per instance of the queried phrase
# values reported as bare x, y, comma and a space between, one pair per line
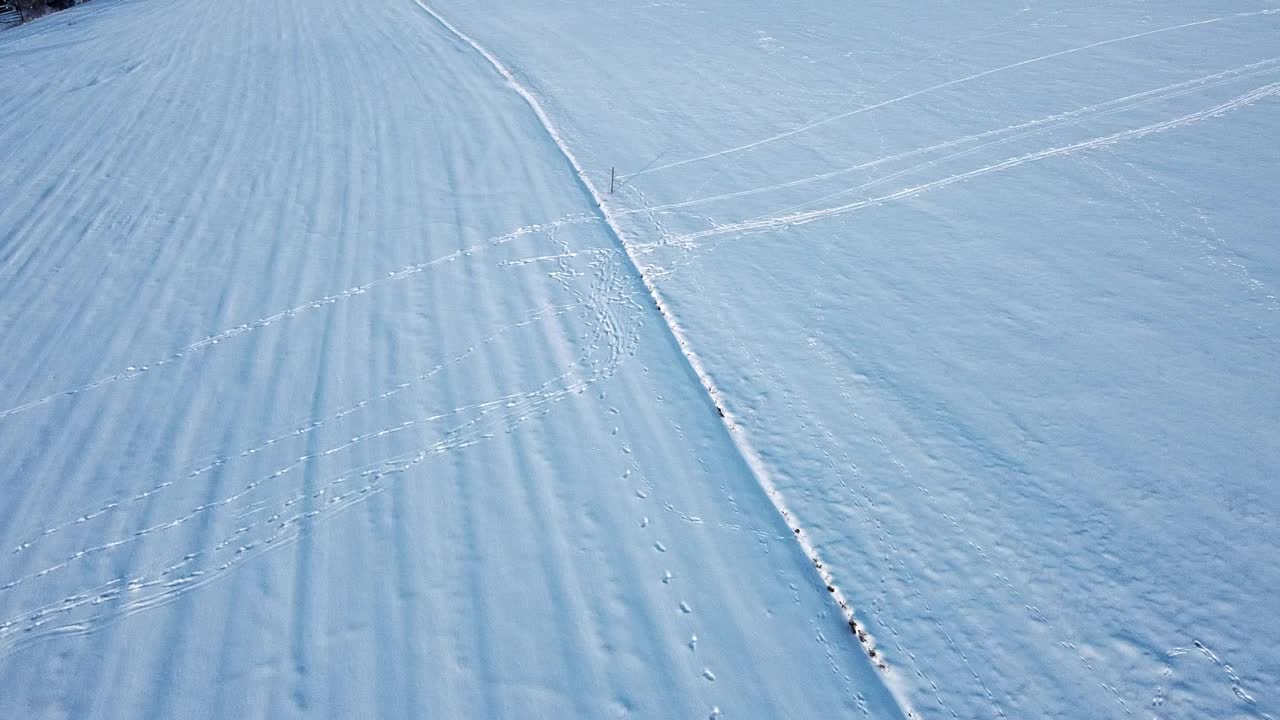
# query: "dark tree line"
32, 9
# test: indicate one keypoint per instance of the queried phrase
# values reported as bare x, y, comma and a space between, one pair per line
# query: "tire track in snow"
940, 86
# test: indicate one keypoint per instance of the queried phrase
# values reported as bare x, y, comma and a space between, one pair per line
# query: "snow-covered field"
335, 383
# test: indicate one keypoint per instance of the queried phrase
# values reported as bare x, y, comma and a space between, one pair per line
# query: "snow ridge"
749, 454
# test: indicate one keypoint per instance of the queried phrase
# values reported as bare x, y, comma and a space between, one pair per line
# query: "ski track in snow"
942, 86
799, 218
1000, 135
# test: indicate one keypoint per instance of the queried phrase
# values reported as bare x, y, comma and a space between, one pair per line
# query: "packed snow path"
326, 391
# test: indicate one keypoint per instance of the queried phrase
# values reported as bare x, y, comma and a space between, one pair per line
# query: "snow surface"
336, 383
